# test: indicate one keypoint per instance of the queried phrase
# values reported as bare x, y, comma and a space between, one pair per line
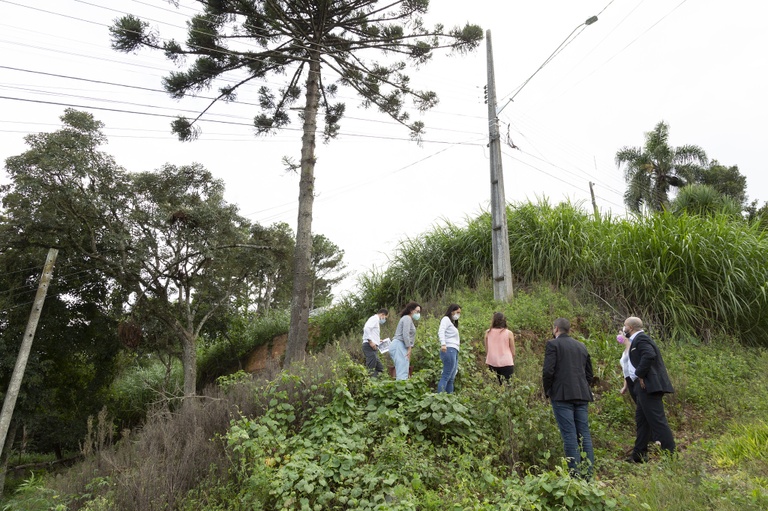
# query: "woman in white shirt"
627, 369
448, 333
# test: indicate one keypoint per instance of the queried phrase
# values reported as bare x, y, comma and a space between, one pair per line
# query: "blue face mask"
417, 316
382, 321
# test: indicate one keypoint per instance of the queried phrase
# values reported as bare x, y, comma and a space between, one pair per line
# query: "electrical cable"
217, 121
554, 54
627, 46
336, 192
607, 173
550, 175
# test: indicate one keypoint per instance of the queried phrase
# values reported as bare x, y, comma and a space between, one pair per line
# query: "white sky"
700, 65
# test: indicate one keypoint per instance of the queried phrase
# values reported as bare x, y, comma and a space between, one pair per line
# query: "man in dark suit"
567, 374
650, 386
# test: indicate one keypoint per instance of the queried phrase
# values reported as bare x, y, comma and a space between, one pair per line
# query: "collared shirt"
626, 366
372, 330
630, 368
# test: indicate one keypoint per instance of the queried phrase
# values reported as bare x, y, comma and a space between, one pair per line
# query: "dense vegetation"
322, 435
691, 276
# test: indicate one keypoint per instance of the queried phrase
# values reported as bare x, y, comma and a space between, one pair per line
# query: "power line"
586, 174
551, 175
217, 121
554, 54
628, 45
347, 188
218, 78
379, 121
576, 66
608, 173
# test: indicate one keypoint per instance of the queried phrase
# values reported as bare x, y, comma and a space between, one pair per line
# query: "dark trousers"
631, 388
651, 421
372, 361
503, 372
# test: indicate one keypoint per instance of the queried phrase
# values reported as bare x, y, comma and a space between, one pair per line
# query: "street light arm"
588, 22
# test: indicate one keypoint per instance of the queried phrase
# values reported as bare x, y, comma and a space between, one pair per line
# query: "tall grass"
687, 276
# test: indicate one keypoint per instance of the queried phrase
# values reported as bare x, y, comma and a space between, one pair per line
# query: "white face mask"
455, 317
417, 316
382, 321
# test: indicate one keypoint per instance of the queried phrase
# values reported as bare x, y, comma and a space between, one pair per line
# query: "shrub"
141, 387
555, 490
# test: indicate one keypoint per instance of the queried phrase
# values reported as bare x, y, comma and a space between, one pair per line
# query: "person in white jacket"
448, 333
371, 340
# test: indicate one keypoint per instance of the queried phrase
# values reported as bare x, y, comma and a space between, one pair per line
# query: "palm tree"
651, 170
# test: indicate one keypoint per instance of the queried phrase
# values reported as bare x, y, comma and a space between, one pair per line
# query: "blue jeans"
399, 354
571, 417
450, 367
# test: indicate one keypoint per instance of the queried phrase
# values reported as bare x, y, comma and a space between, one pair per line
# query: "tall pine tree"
320, 45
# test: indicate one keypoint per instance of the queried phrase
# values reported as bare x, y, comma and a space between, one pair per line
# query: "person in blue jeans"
448, 334
567, 375
403, 340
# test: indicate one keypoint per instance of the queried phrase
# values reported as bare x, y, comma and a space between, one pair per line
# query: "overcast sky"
700, 65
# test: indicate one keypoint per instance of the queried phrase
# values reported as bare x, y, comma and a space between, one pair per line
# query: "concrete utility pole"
26, 346
502, 268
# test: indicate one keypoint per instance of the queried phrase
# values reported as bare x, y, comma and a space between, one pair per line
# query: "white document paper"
384, 345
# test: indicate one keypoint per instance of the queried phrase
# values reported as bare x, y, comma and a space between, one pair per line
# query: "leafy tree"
327, 270
320, 45
651, 170
270, 286
726, 180
166, 241
75, 351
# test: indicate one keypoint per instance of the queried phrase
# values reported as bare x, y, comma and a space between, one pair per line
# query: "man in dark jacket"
650, 386
567, 374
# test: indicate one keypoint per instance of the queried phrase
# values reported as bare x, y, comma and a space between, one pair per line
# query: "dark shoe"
636, 459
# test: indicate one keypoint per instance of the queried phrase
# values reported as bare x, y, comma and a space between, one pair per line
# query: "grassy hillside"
324, 436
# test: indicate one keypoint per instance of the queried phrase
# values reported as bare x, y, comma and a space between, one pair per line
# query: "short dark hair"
409, 307
563, 325
383, 311
499, 320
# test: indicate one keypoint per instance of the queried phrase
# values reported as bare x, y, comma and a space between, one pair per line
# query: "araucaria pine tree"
320, 46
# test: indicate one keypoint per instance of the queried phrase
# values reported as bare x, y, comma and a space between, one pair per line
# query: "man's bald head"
633, 324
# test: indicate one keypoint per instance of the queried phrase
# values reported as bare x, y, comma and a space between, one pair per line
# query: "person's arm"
588, 370
512, 343
485, 340
548, 370
444, 323
410, 334
624, 388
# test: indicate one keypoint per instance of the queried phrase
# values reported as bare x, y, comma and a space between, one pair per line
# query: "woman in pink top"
500, 348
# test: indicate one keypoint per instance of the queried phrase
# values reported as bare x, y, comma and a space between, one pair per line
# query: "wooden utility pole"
502, 268
26, 346
594, 203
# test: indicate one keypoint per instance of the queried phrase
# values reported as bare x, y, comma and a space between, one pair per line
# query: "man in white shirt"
371, 340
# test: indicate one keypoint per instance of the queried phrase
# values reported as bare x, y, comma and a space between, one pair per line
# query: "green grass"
691, 277
743, 443
324, 435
